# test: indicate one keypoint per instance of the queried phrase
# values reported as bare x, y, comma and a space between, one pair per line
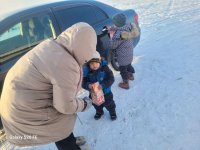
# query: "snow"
161, 109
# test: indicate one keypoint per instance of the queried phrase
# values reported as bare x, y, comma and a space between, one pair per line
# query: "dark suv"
27, 24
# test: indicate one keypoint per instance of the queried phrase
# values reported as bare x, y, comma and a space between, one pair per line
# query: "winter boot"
113, 115
98, 115
130, 76
80, 140
86, 146
124, 84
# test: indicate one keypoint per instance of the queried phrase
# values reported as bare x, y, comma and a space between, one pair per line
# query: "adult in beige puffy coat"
39, 101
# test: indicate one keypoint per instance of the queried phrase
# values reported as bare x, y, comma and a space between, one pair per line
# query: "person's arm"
86, 83
109, 77
114, 40
65, 79
112, 43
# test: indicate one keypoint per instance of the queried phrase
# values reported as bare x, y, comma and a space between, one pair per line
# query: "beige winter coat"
38, 103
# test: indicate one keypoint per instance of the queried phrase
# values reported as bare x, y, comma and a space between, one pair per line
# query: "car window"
37, 29
69, 16
25, 34
12, 32
10, 35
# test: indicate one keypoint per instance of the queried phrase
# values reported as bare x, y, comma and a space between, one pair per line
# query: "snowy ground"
161, 111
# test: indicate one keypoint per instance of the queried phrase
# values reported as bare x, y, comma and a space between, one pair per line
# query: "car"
26, 24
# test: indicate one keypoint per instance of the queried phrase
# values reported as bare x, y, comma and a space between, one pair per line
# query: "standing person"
39, 101
96, 70
124, 48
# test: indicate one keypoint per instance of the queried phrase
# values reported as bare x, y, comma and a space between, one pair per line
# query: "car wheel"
113, 60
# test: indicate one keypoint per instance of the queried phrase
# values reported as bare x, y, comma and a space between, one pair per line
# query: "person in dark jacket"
124, 48
96, 70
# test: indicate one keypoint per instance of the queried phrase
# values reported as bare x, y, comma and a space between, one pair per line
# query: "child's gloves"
87, 103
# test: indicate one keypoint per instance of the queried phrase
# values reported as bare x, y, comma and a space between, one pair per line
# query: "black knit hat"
119, 20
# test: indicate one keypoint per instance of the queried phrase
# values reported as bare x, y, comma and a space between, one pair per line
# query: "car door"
71, 14
21, 34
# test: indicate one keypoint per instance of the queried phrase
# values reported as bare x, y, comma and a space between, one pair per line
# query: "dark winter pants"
109, 104
124, 70
68, 143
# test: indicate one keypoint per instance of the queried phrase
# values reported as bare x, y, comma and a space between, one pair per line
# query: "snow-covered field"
161, 110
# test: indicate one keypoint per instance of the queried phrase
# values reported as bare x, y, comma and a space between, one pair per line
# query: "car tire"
113, 60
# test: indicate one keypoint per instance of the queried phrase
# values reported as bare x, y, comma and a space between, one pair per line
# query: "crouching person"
38, 103
96, 70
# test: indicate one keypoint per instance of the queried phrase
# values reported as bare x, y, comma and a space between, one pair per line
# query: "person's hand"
111, 32
87, 103
99, 87
90, 86
108, 28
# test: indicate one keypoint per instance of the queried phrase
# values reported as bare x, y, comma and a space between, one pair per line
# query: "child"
124, 48
96, 70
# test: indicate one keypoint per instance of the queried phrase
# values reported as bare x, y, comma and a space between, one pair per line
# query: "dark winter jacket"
103, 75
124, 48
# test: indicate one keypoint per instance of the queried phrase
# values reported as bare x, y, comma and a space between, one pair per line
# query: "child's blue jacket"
103, 75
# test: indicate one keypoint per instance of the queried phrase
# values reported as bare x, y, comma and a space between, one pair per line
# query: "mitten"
87, 103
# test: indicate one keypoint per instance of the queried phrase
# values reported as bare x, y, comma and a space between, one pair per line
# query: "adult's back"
39, 93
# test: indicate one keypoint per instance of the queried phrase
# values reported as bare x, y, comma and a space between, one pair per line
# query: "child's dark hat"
119, 20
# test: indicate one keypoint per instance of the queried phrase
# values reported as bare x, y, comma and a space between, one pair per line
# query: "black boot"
113, 115
98, 115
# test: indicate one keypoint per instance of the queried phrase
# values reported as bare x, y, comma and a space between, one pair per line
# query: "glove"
87, 103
